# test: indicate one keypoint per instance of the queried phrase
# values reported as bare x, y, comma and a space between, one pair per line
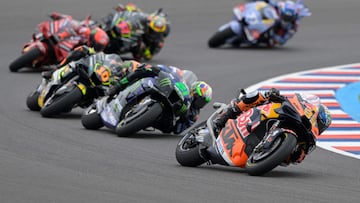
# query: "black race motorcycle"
149, 102
74, 85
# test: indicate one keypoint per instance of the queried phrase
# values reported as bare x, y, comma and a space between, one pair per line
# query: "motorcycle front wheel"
187, 151
220, 37
62, 103
138, 119
25, 59
32, 101
261, 162
91, 119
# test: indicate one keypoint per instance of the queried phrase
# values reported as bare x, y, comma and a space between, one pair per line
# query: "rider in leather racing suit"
288, 23
91, 36
129, 22
80, 53
200, 92
255, 98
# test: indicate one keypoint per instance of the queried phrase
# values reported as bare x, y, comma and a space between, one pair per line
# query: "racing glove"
273, 95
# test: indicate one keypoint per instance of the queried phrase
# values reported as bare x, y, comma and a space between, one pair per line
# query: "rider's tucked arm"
139, 73
78, 53
244, 103
283, 35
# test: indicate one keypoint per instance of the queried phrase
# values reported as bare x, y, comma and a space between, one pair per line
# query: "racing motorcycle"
45, 48
126, 29
275, 133
151, 102
74, 87
251, 26
124, 35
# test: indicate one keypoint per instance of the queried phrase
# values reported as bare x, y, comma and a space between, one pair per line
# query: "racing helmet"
201, 93
287, 11
98, 39
157, 24
323, 119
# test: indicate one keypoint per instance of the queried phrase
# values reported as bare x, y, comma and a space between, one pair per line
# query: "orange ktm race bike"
74, 85
45, 48
260, 139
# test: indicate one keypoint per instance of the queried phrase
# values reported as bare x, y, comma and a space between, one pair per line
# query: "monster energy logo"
165, 82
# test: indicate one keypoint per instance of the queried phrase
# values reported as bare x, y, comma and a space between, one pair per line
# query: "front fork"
208, 150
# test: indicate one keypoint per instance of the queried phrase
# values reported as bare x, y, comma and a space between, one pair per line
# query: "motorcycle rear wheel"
187, 152
276, 157
139, 121
62, 103
25, 59
32, 101
220, 37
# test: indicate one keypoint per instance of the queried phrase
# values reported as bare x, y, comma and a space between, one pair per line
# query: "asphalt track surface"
56, 160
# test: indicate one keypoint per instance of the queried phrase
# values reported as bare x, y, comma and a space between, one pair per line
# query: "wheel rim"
189, 143
259, 156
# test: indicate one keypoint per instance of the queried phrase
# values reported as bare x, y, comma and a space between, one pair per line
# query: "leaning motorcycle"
45, 49
149, 102
73, 87
250, 26
260, 139
126, 32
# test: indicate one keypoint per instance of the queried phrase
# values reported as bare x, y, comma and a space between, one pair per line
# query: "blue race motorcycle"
250, 25
149, 102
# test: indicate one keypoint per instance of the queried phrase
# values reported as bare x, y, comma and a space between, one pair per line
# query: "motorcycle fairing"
306, 110
238, 133
112, 111
52, 51
110, 115
258, 17
47, 87
64, 47
231, 145
41, 46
